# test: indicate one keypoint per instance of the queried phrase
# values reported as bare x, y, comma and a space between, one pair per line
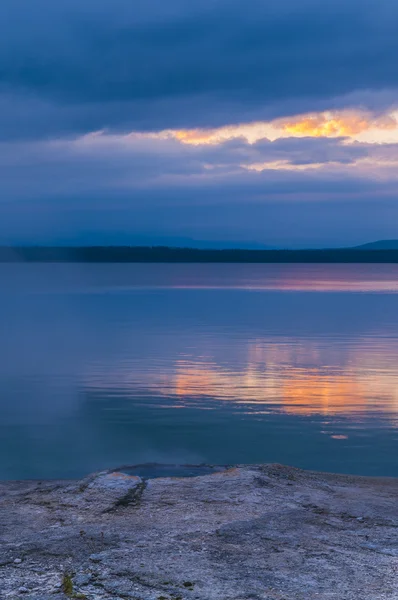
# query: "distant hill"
379, 245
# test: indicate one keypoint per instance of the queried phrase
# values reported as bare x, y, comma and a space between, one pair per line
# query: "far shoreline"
165, 254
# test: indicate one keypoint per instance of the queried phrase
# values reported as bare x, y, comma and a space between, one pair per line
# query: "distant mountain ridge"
379, 245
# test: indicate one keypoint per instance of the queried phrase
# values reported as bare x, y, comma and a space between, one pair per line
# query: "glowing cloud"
354, 125
347, 124
286, 165
357, 141
252, 132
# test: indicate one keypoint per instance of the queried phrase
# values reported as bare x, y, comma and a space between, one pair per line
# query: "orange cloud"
351, 124
336, 125
194, 136
252, 132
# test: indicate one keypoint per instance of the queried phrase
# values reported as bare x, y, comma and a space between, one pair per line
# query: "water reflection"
102, 365
284, 377
84, 278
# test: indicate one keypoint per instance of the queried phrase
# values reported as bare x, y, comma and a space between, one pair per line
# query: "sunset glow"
344, 124
294, 389
330, 124
305, 392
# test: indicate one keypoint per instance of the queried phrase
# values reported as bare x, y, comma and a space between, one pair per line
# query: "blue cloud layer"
71, 67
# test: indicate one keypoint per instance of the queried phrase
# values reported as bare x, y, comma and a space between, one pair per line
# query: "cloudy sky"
213, 121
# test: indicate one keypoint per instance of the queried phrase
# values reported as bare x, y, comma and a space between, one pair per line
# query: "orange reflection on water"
323, 393
305, 391
295, 378
326, 278
268, 276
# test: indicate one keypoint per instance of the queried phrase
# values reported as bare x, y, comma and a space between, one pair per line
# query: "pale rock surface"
264, 532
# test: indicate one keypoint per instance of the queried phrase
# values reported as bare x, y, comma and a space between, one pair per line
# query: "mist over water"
103, 365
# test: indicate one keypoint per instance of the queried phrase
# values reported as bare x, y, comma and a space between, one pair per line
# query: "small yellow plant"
67, 584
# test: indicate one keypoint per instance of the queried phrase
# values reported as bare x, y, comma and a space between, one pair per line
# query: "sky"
200, 122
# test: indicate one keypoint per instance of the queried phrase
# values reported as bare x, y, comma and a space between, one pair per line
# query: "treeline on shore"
159, 254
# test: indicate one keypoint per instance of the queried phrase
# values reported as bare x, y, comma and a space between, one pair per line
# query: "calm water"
103, 365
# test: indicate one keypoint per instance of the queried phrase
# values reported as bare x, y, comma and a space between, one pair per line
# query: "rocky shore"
253, 532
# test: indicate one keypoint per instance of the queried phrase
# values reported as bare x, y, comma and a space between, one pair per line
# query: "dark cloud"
71, 67
155, 168
149, 64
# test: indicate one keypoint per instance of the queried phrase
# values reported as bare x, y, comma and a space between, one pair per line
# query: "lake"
105, 365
